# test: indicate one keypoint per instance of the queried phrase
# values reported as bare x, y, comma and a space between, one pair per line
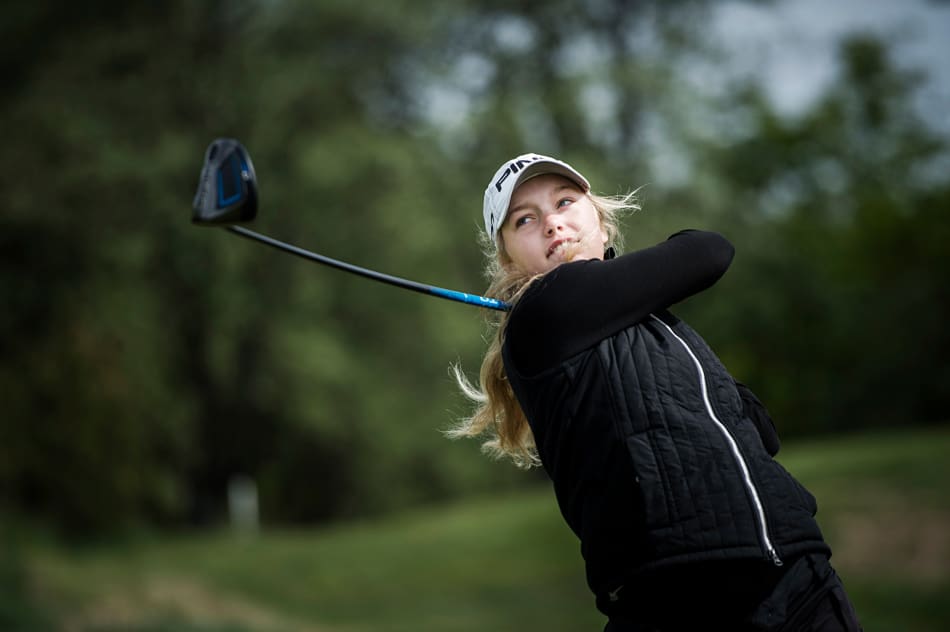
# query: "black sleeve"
578, 304
757, 412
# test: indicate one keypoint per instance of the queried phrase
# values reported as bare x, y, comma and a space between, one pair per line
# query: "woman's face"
551, 221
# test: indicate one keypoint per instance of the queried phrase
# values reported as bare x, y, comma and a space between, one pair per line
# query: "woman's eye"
564, 202
521, 221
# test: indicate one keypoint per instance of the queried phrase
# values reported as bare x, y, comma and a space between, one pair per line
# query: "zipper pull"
775, 559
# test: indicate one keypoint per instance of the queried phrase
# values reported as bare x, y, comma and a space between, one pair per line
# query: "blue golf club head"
227, 187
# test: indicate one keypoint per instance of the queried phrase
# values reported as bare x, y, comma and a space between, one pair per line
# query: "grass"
884, 505
504, 563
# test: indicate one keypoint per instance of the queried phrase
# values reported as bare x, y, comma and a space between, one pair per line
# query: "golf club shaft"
452, 295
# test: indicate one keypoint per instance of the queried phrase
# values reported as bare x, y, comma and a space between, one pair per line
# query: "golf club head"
227, 187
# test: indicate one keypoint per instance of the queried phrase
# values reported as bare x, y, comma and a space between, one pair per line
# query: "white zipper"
740, 460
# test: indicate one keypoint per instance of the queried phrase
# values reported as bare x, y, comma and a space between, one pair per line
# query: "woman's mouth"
558, 245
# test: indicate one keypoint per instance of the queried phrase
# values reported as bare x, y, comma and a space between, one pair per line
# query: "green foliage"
832, 308
146, 362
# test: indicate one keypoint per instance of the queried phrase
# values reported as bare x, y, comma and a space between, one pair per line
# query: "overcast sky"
791, 44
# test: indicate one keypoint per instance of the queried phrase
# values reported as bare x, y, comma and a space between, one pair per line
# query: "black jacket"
653, 449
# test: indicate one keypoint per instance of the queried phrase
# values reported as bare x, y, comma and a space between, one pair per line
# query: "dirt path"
903, 541
168, 598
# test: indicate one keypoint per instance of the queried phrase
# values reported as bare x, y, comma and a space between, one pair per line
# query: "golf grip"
452, 295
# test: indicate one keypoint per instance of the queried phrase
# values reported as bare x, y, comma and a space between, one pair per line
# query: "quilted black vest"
654, 462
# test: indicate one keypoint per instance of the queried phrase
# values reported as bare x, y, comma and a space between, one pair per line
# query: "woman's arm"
578, 304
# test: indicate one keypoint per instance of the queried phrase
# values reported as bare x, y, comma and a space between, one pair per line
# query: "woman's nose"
552, 223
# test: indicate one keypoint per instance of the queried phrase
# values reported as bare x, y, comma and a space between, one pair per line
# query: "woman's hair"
498, 417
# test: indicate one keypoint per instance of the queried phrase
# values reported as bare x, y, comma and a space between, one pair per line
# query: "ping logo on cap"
514, 167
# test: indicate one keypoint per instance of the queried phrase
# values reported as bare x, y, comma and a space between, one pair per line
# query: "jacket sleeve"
578, 304
756, 411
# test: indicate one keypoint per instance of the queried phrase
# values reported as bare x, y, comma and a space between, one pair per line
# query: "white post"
242, 504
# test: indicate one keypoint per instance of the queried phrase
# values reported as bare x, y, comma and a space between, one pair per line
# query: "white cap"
514, 173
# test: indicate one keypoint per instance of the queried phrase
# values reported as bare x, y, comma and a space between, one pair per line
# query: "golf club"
227, 194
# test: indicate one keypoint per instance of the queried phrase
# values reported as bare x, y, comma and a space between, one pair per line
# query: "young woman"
661, 462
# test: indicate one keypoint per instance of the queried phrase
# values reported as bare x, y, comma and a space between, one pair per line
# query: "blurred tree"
832, 308
147, 362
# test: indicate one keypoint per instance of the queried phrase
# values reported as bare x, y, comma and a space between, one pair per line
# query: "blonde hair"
498, 417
